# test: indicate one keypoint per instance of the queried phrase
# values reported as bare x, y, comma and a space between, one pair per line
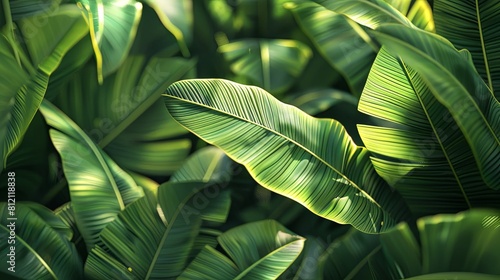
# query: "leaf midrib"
264, 258
171, 222
424, 109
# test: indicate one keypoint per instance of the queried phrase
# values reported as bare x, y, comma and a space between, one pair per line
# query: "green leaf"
472, 25
40, 251
355, 255
46, 50
402, 251
26, 8
368, 13
455, 83
421, 16
420, 13
67, 215
129, 120
271, 64
163, 233
343, 43
208, 164
30, 162
259, 250
454, 243
312, 161
474, 234
113, 25
177, 17
93, 178
419, 151
455, 276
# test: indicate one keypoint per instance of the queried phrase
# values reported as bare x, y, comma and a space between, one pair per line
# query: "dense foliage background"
134, 144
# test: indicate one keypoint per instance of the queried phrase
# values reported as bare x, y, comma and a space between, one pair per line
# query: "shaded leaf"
271, 64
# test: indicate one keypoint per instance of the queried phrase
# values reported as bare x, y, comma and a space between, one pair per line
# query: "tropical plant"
263, 139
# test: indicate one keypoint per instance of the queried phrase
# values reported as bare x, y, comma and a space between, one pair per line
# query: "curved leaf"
46, 50
343, 43
22, 9
367, 13
313, 161
454, 82
420, 13
177, 17
207, 164
420, 151
259, 250
271, 64
463, 242
472, 25
152, 239
40, 251
455, 276
93, 178
113, 25
129, 120
30, 162
355, 255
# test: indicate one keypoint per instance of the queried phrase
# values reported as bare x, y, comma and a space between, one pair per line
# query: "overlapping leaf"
312, 161
472, 25
271, 64
125, 116
113, 27
450, 243
45, 49
177, 17
152, 239
343, 43
41, 252
421, 151
262, 250
93, 178
454, 82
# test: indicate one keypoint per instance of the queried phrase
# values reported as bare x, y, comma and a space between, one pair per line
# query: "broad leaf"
343, 43
208, 164
271, 64
93, 178
26, 8
455, 276
313, 161
259, 250
449, 243
30, 162
419, 151
46, 50
129, 120
40, 252
472, 25
368, 13
177, 17
455, 83
420, 13
152, 239
113, 25
355, 255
